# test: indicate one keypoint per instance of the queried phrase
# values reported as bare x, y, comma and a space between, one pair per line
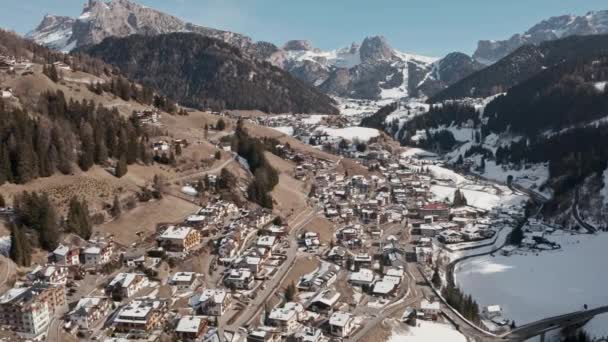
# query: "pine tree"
121, 167
220, 125
21, 250
132, 149
436, 279
79, 221
116, 210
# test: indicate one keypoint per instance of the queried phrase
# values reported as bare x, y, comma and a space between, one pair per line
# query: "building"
324, 301
51, 274
286, 318
430, 309
89, 311
309, 334
64, 255
241, 279
364, 278
179, 239
492, 311
125, 285
212, 302
184, 281
191, 328
438, 210
263, 335
139, 316
28, 310
97, 255
341, 324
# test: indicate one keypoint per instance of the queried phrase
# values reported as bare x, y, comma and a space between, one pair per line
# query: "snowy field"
483, 198
284, 129
534, 285
427, 331
361, 133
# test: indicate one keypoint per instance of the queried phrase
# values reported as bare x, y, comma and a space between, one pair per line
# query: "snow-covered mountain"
373, 69
54, 32
490, 51
370, 70
119, 18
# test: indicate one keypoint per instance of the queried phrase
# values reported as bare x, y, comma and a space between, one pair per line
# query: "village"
391, 226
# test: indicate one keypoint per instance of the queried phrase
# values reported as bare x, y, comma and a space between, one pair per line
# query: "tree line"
37, 224
67, 132
265, 176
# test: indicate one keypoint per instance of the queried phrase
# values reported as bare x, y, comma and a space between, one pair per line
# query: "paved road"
577, 215
256, 305
412, 297
536, 328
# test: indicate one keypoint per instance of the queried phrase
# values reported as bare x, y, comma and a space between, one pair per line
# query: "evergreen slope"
204, 72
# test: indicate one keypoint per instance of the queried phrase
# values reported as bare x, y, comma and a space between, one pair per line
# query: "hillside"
522, 64
204, 72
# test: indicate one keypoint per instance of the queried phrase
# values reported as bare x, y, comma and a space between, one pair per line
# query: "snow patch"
427, 331
361, 133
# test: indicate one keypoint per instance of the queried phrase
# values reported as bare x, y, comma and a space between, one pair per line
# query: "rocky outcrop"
375, 49
298, 45
489, 51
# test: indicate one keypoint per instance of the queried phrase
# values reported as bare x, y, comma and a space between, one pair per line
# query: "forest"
68, 132
203, 72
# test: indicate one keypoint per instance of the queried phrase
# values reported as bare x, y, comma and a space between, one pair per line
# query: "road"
536, 328
577, 215
203, 173
10, 270
412, 297
257, 304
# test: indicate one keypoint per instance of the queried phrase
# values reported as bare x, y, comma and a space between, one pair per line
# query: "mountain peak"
298, 45
594, 22
375, 48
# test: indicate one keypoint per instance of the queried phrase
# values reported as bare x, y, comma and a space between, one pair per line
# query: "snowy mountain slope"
371, 70
490, 51
119, 18
54, 32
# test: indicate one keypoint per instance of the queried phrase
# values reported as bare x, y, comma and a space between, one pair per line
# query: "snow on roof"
176, 233
287, 312
189, 324
61, 250
11, 294
383, 287
494, 308
363, 276
340, 319
216, 295
327, 297
137, 310
266, 241
183, 277
92, 250
426, 305
124, 278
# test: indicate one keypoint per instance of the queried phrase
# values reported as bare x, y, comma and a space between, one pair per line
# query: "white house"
286, 318
341, 324
212, 302
126, 284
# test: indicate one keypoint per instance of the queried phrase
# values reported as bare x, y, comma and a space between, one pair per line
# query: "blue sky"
430, 27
